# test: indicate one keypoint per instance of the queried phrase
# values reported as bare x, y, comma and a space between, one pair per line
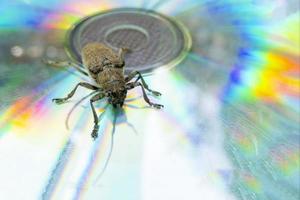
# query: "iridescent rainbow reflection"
28, 109
268, 76
261, 112
259, 105
72, 12
269, 71
48, 14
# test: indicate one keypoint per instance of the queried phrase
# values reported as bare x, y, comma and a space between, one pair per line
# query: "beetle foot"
59, 101
157, 106
156, 93
95, 132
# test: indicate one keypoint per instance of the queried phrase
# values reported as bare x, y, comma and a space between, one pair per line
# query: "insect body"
106, 69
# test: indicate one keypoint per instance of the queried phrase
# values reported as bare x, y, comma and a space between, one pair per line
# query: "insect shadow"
116, 115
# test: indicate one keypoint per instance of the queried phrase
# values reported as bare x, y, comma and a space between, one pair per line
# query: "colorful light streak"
266, 73
265, 81
286, 159
27, 109
47, 15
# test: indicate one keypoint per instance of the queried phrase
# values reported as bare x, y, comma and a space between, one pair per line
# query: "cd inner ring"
139, 32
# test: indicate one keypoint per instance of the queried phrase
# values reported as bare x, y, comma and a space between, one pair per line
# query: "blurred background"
229, 129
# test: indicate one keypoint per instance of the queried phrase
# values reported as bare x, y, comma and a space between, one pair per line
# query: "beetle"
106, 70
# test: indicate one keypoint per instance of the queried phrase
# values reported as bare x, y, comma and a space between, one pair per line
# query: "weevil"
106, 71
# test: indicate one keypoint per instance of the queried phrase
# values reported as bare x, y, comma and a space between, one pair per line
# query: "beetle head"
117, 97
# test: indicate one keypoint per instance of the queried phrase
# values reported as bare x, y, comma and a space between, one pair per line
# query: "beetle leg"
133, 74
96, 120
83, 84
135, 84
65, 64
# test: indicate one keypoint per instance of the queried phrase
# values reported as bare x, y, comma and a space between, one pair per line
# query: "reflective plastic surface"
229, 128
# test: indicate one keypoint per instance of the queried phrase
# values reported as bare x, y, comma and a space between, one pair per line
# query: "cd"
228, 72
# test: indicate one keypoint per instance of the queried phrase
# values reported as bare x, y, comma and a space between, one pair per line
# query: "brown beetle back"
95, 56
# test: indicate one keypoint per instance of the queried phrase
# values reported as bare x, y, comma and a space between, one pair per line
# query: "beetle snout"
119, 105
116, 101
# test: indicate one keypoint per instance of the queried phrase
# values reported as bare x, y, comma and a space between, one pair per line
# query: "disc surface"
154, 40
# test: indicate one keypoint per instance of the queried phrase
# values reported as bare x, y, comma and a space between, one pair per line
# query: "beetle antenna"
74, 107
110, 150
